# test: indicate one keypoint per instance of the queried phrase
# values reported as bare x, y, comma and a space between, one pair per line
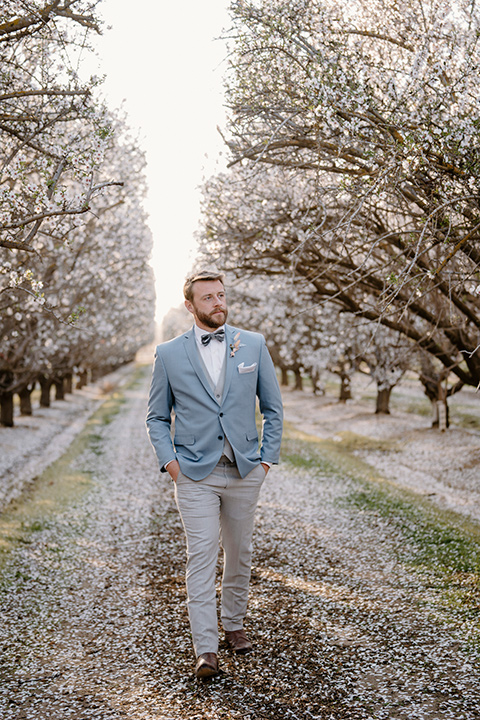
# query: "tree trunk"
436, 391
440, 414
59, 389
82, 379
68, 382
383, 401
45, 385
25, 395
97, 373
6, 409
284, 377
298, 380
317, 386
345, 389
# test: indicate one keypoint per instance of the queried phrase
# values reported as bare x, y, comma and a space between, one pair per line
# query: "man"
210, 378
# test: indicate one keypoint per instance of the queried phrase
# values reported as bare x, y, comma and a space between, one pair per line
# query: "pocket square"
242, 368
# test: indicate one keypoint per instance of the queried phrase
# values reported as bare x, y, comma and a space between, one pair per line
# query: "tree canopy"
355, 157
74, 239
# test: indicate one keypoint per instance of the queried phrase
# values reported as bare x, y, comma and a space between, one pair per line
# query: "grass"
463, 419
443, 546
413, 406
335, 456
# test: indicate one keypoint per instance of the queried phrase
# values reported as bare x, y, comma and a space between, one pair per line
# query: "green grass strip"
441, 543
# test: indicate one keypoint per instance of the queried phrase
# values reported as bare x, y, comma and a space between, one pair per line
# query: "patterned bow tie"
218, 335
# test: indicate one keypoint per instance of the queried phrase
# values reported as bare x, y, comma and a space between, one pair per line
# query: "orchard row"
76, 286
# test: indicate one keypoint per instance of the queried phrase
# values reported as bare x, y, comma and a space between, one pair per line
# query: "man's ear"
189, 306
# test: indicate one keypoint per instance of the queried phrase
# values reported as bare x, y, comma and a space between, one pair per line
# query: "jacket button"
220, 437
221, 414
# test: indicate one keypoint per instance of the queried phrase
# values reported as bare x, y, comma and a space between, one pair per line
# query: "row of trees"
313, 342
353, 185
76, 288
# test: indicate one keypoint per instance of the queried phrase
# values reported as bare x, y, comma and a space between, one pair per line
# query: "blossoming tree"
372, 108
51, 130
74, 241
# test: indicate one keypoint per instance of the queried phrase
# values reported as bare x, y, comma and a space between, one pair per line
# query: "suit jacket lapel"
193, 356
229, 335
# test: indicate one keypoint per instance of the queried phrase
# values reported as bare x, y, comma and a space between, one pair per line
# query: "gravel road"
93, 610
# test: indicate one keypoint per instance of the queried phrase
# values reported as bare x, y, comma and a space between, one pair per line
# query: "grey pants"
222, 506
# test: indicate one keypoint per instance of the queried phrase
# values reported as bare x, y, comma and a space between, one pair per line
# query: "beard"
212, 320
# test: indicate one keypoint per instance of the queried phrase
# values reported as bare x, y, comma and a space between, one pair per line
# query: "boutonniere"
235, 345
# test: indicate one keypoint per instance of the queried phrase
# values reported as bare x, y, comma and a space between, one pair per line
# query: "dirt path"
93, 603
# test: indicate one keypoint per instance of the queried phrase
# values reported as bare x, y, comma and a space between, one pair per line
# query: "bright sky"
164, 61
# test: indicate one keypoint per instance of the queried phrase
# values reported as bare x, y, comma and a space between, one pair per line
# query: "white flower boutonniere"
235, 345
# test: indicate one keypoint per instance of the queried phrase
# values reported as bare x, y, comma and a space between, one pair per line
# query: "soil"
94, 621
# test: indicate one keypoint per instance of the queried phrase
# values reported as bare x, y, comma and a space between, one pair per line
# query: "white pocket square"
242, 368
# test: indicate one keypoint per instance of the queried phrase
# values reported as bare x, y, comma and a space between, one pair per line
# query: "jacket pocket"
252, 435
184, 440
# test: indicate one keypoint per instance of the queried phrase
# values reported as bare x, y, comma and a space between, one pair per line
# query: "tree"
372, 109
267, 306
52, 132
71, 255
310, 340
388, 355
95, 318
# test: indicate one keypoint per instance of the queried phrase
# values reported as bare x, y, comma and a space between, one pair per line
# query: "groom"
210, 377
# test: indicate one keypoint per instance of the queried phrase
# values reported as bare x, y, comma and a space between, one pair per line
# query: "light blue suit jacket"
202, 421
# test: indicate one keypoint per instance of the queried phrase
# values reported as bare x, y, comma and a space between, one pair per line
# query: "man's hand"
173, 468
264, 465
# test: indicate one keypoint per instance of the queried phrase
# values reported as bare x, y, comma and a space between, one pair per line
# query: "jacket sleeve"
159, 413
271, 407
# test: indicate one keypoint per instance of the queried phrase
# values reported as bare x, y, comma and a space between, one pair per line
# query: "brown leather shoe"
238, 641
207, 665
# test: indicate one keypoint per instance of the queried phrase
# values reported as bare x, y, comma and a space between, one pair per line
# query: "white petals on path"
94, 621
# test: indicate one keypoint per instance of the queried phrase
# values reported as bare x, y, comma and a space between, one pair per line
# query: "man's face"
209, 304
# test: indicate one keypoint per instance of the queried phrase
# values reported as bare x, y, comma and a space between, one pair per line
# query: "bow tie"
218, 335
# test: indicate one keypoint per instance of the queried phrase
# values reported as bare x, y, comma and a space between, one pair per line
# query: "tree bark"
25, 395
284, 377
436, 391
68, 383
317, 386
82, 379
6, 409
59, 389
345, 389
298, 380
383, 401
45, 385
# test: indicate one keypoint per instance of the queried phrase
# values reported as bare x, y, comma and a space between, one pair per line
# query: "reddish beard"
212, 320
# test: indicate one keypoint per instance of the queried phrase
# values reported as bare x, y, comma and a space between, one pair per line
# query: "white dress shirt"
213, 354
